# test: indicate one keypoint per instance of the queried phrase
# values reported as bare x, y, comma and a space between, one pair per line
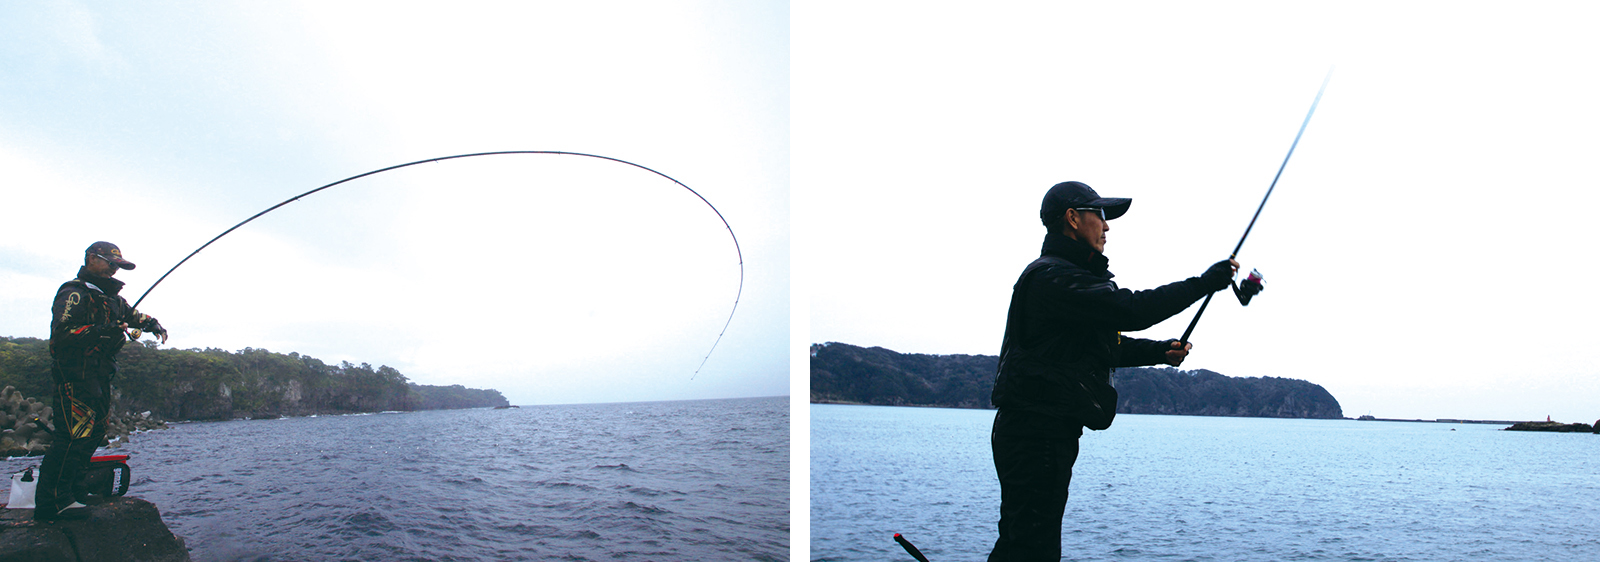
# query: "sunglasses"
1098, 210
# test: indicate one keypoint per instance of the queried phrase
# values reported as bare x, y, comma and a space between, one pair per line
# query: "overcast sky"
1428, 253
554, 279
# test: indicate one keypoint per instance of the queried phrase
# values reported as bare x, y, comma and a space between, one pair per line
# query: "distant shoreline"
1440, 420
847, 373
1362, 418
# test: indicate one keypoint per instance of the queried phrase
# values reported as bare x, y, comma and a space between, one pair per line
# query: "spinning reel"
1248, 288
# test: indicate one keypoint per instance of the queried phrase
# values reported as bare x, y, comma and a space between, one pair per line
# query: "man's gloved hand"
1178, 352
155, 329
1219, 275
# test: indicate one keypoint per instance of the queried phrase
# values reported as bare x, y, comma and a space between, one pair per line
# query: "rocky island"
1555, 426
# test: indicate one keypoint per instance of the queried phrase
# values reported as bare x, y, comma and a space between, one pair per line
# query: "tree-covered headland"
214, 384
845, 373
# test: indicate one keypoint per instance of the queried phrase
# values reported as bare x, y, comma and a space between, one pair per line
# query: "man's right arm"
1090, 298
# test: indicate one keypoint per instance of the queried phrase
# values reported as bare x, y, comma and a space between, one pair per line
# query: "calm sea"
1218, 489
689, 481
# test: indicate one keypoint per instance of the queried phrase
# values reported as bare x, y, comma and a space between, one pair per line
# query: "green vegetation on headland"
213, 384
843, 373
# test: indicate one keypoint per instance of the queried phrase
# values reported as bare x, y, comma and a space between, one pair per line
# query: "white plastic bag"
23, 485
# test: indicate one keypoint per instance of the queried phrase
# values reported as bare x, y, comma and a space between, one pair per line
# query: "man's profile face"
1088, 227
100, 266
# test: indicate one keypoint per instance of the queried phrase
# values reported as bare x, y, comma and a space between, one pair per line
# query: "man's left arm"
1136, 352
142, 321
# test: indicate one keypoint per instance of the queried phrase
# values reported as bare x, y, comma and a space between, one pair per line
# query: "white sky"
554, 279
1428, 252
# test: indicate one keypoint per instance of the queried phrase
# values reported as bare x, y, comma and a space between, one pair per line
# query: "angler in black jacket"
1063, 337
89, 323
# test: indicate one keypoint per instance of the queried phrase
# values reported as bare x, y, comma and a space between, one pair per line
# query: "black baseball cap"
109, 252
1077, 195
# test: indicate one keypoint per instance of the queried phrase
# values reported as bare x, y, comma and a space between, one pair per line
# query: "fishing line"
703, 199
1235, 254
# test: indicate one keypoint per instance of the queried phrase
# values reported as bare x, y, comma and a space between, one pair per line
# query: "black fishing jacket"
1063, 333
84, 337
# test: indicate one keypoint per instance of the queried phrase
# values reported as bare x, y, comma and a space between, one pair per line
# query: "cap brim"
1114, 206
125, 264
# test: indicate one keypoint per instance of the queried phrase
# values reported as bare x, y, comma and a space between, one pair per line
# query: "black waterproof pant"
81, 410
1033, 456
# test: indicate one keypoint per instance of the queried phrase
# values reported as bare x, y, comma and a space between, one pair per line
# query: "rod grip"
1185, 339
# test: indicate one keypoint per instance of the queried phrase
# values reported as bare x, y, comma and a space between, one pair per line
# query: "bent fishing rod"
703, 199
1253, 283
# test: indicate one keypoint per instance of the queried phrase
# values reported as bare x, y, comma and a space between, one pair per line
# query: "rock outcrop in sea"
25, 425
119, 530
1557, 427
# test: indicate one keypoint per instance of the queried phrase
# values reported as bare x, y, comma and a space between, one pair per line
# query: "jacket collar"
1075, 251
107, 285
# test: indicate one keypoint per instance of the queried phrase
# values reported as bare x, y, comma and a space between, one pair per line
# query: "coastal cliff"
119, 530
843, 373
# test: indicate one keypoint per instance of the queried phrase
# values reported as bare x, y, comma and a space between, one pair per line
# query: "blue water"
1187, 488
689, 481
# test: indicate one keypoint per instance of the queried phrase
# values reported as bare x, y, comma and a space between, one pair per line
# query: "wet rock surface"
119, 530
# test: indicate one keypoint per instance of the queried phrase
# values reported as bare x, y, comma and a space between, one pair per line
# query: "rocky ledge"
119, 530
1552, 426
